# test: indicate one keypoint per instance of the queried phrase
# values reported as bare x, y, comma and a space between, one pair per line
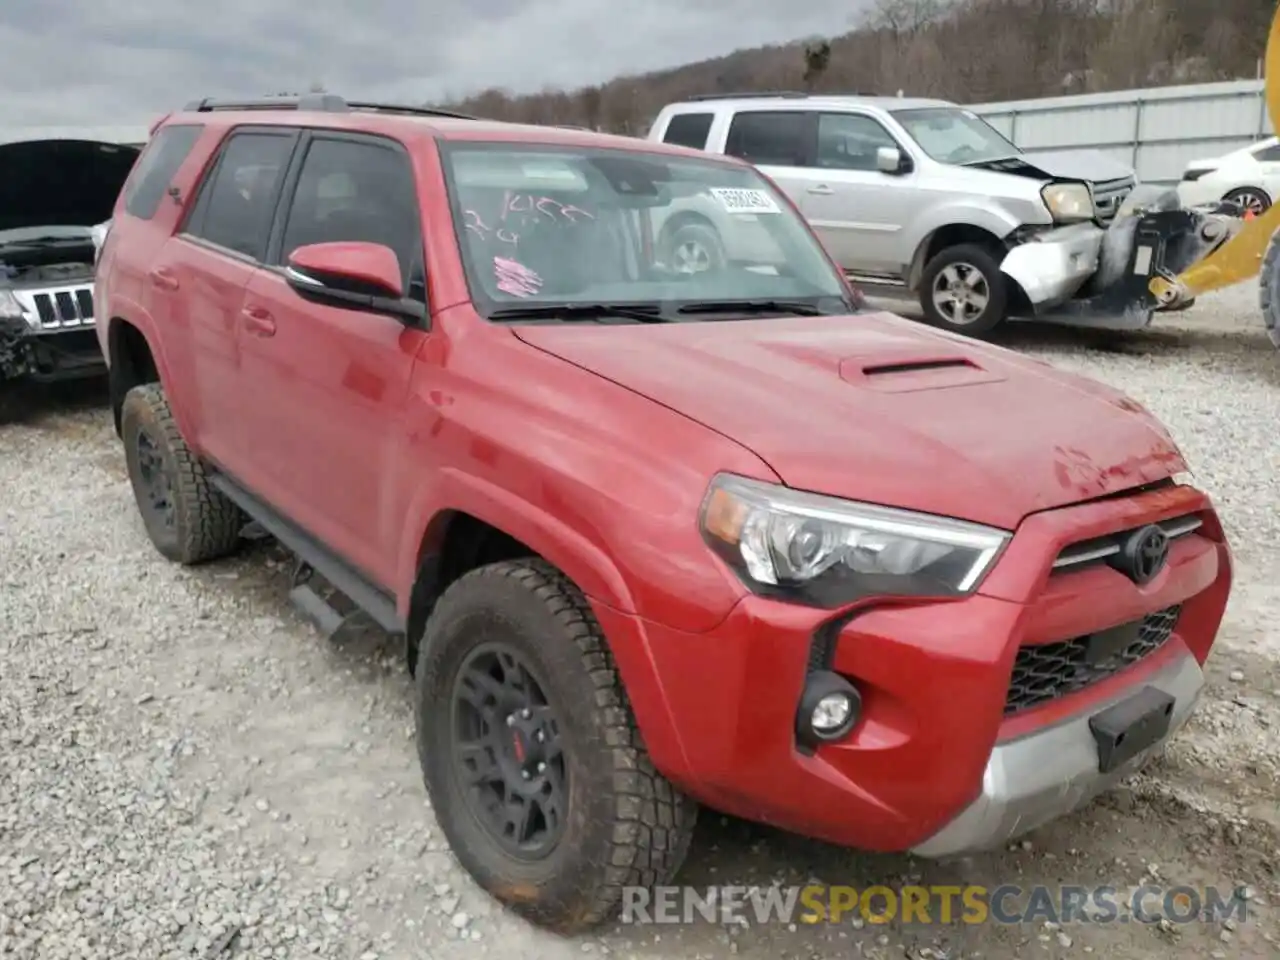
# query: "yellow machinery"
1249, 250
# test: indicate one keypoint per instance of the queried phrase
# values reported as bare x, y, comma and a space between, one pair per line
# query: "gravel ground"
187, 769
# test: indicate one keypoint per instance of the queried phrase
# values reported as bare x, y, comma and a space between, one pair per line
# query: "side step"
322, 611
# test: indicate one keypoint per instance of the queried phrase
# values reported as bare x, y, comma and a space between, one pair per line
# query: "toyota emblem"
1144, 554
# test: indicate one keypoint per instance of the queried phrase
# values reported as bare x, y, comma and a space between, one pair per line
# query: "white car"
1249, 176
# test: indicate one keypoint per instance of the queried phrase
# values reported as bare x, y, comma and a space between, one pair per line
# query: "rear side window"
236, 205
689, 130
776, 138
160, 160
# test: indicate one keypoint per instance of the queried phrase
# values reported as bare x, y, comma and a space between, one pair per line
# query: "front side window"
357, 190
952, 135
850, 141
606, 226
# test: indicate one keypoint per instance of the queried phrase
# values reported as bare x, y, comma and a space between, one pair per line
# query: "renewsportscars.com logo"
1006, 904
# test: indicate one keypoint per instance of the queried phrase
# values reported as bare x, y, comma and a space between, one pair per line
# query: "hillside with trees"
967, 51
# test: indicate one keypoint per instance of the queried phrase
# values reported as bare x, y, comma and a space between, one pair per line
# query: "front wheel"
531, 755
1269, 290
963, 290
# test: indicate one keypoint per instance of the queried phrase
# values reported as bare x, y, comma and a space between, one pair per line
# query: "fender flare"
590, 568
127, 311
453, 490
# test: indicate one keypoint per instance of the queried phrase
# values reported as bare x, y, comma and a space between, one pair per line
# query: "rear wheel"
962, 290
1253, 200
187, 520
692, 247
531, 755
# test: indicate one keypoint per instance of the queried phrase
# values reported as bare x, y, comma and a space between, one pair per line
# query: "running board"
314, 558
869, 281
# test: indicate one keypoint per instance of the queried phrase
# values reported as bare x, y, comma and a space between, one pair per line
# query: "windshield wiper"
793, 307
643, 312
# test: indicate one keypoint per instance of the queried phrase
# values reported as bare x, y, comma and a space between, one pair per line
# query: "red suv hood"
877, 408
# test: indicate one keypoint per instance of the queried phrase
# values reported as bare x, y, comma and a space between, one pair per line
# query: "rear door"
778, 142
325, 387
203, 272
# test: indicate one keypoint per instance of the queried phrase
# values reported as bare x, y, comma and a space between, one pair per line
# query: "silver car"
923, 198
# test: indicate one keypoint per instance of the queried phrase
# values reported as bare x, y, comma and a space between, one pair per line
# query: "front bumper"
1031, 780
1053, 266
1085, 275
934, 764
55, 340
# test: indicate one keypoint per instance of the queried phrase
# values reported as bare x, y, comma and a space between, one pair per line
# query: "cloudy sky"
125, 61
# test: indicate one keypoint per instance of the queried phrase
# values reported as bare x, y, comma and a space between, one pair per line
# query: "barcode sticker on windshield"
745, 201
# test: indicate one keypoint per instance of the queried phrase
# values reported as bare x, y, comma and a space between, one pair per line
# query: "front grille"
1046, 671
1087, 553
1109, 195
58, 309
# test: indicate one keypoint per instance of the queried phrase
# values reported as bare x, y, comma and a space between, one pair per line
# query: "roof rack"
319, 103
748, 95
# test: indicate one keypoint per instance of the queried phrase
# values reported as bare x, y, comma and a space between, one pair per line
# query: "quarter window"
156, 168
689, 130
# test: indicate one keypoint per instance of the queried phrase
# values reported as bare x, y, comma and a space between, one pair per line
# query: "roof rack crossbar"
317, 102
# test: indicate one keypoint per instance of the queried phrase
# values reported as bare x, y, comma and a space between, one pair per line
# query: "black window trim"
808, 134
186, 225
905, 151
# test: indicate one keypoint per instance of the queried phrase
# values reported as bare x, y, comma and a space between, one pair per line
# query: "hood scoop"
911, 371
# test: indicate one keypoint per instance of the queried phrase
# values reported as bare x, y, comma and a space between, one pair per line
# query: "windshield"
952, 135
588, 226
43, 234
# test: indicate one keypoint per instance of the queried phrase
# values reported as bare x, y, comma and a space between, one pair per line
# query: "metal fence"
1157, 131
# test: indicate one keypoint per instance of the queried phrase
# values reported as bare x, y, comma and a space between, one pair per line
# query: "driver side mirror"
891, 160
359, 275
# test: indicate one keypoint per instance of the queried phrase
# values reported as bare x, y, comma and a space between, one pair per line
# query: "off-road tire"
981, 259
1269, 290
207, 525
626, 825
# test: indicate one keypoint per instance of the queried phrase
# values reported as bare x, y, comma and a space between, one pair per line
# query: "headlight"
1069, 202
827, 552
10, 308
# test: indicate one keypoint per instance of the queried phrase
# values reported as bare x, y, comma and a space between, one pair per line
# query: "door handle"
821, 190
258, 322
162, 278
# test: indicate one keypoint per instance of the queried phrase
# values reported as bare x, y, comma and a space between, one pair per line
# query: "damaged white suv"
922, 198
55, 196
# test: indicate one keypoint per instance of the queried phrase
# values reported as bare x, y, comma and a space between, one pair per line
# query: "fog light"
831, 713
829, 709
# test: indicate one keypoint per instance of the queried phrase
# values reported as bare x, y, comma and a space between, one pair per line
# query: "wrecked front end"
55, 197
46, 304
1091, 275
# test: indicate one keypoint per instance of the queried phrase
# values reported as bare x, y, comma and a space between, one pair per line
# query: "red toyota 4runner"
658, 529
